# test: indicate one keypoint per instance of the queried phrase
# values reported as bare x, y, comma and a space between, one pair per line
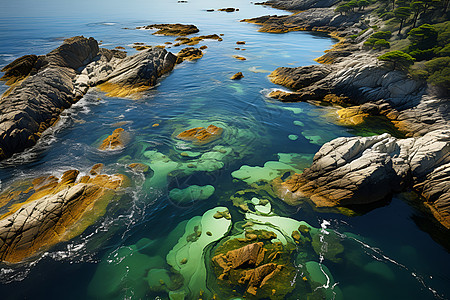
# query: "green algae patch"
187, 256
191, 193
270, 171
122, 274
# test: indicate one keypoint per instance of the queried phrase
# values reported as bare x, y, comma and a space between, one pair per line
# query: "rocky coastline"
42, 87
362, 170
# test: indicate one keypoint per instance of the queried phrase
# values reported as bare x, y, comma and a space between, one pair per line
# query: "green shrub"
445, 51
443, 30
385, 35
441, 78
387, 16
419, 54
398, 59
419, 74
370, 42
424, 36
437, 64
381, 44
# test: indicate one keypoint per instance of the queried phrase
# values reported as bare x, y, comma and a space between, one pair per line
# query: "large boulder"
53, 210
138, 72
364, 170
33, 105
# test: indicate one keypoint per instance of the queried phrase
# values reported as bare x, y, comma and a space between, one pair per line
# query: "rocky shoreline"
42, 87
360, 170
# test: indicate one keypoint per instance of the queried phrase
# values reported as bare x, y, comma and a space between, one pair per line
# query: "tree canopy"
423, 36
398, 59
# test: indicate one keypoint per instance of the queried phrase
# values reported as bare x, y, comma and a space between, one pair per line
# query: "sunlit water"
389, 253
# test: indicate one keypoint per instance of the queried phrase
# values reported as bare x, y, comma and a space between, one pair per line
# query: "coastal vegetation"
417, 32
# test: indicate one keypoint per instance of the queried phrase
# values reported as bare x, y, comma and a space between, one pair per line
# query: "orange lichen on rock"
115, 141
56, 211
201, 135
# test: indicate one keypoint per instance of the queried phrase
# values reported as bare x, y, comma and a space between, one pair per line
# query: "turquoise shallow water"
389, 253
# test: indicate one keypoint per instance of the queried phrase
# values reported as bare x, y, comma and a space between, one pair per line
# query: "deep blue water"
391, 252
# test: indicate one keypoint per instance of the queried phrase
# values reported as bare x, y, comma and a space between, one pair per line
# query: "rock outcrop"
189, 53
196, 39
19, 69
46, 85
172, 29
53, 210
136, 73
35, 103
237, 76
299, 4
314, 19
351, 171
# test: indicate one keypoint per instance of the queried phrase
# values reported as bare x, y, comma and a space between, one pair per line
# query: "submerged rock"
116, 140
56, 210
201, 135
194, 270
126, 273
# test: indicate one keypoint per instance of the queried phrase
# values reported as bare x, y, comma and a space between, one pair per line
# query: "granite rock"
55, 211
364, 170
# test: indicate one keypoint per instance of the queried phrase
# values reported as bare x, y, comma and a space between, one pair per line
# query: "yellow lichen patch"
333, 98
13, 83
118, 90
58, 211
441, 216
115, 141
13, 192
351, 116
